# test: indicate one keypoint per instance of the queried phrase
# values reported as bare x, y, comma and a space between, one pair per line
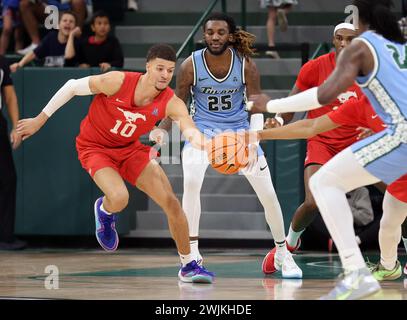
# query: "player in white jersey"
376, 60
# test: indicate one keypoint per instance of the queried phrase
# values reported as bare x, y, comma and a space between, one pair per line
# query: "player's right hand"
158, 136
27, 127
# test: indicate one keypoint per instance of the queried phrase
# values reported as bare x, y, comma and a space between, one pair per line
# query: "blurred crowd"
59, 33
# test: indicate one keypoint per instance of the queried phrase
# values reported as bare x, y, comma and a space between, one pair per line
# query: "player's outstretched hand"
158, 136
258, 103
27, 127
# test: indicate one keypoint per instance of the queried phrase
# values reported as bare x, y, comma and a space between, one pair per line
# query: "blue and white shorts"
384, 154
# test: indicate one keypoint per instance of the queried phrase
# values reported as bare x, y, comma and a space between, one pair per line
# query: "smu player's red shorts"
128, 161
398, 189
319, 153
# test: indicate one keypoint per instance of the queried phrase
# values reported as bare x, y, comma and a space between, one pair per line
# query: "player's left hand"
27, 127
15, 139
258, 103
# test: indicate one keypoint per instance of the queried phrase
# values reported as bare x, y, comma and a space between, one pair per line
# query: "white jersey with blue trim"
219, 103
386, 85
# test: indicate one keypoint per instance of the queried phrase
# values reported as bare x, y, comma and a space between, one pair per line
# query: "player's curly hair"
242, 40
378, 14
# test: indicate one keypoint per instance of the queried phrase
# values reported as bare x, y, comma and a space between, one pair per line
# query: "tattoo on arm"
185, 79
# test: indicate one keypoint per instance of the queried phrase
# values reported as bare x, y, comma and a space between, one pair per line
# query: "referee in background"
8, 177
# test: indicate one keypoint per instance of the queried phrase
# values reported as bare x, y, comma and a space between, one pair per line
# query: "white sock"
104, 210
352, 259
293, 236
194, 248
358, 241
281, 249
186, 258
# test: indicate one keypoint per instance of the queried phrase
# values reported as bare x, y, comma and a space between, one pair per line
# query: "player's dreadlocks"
242, 40
378, 14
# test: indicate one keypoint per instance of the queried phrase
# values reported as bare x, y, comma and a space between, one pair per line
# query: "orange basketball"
227, 153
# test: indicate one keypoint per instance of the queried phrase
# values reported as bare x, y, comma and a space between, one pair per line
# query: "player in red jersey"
126, 106
359, 112
324, 146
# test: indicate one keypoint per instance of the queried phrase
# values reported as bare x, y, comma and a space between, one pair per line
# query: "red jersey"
361, 113
115, 121
358, 112
313, 74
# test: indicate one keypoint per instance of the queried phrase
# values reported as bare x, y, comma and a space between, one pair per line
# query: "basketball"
227, 153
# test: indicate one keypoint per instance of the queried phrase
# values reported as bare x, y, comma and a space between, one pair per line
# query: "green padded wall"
55, 195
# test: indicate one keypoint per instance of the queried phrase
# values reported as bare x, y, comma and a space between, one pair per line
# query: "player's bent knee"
171, 205
310, 204
321, 179
118, 200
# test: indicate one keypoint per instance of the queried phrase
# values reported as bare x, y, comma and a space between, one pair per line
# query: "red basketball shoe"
268, 261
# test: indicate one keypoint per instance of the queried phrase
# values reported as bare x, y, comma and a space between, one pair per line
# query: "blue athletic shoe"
192, 272
106, 233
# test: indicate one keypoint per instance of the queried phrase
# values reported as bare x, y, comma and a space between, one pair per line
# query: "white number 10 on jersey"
127, 130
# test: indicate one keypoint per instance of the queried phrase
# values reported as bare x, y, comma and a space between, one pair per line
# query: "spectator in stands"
52, 48
8, 177
77, 6
277, 12
33, 13
99, 50
11, 20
